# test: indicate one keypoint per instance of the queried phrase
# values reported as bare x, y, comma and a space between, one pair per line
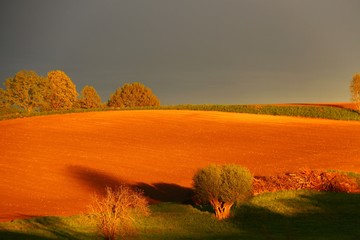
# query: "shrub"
222, 186
115, 213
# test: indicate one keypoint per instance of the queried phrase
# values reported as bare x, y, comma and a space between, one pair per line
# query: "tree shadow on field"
14, 235
155, 192
325, 215
43, 228
166, 192
94, 179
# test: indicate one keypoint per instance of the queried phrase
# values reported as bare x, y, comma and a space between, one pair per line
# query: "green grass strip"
282, 215
323, 112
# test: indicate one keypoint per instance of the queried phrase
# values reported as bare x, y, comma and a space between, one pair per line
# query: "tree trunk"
222, 209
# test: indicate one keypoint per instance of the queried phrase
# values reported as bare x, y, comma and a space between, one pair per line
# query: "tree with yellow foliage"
89, 98
25, 91
355, 90
61, 93
133, 95
3, 102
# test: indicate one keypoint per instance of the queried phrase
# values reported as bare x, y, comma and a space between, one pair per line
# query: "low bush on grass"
116, 212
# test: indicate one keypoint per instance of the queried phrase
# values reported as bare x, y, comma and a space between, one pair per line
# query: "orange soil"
52, 165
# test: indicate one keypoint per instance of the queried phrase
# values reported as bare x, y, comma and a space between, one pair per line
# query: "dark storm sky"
190, 51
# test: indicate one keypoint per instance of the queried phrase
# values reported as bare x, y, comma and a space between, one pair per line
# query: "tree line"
27, 91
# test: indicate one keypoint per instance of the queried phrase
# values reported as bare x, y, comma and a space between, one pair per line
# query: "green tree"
25, 90
222, 186
89, 98
61, 94
133, 95
355, 90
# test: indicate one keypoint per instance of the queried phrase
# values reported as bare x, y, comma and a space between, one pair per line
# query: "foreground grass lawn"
282, 215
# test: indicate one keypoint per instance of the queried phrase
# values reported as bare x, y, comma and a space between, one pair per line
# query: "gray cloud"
198, 51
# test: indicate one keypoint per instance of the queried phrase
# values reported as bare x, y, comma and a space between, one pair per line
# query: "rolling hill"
52, 165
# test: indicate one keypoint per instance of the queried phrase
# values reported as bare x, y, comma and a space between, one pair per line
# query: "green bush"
222, 186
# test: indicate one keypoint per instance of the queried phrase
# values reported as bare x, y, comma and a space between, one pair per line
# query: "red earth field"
52, 165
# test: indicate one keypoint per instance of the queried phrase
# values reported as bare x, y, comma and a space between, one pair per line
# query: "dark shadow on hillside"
94, 179
166, 192
52, 226
335, 216
13, 235
156, 192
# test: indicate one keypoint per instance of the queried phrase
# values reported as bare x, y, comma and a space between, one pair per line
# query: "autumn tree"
89, 98
133, 95
26, 91
116, 212
3, 102
61, 93
222, 186
355, 90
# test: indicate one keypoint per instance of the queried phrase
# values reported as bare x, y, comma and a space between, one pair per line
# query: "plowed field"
52, 165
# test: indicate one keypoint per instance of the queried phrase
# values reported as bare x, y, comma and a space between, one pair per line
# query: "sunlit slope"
52, 165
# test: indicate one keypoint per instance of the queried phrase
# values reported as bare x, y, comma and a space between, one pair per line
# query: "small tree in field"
133, 95
222, 186
89, 98
355, 90
115, 213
